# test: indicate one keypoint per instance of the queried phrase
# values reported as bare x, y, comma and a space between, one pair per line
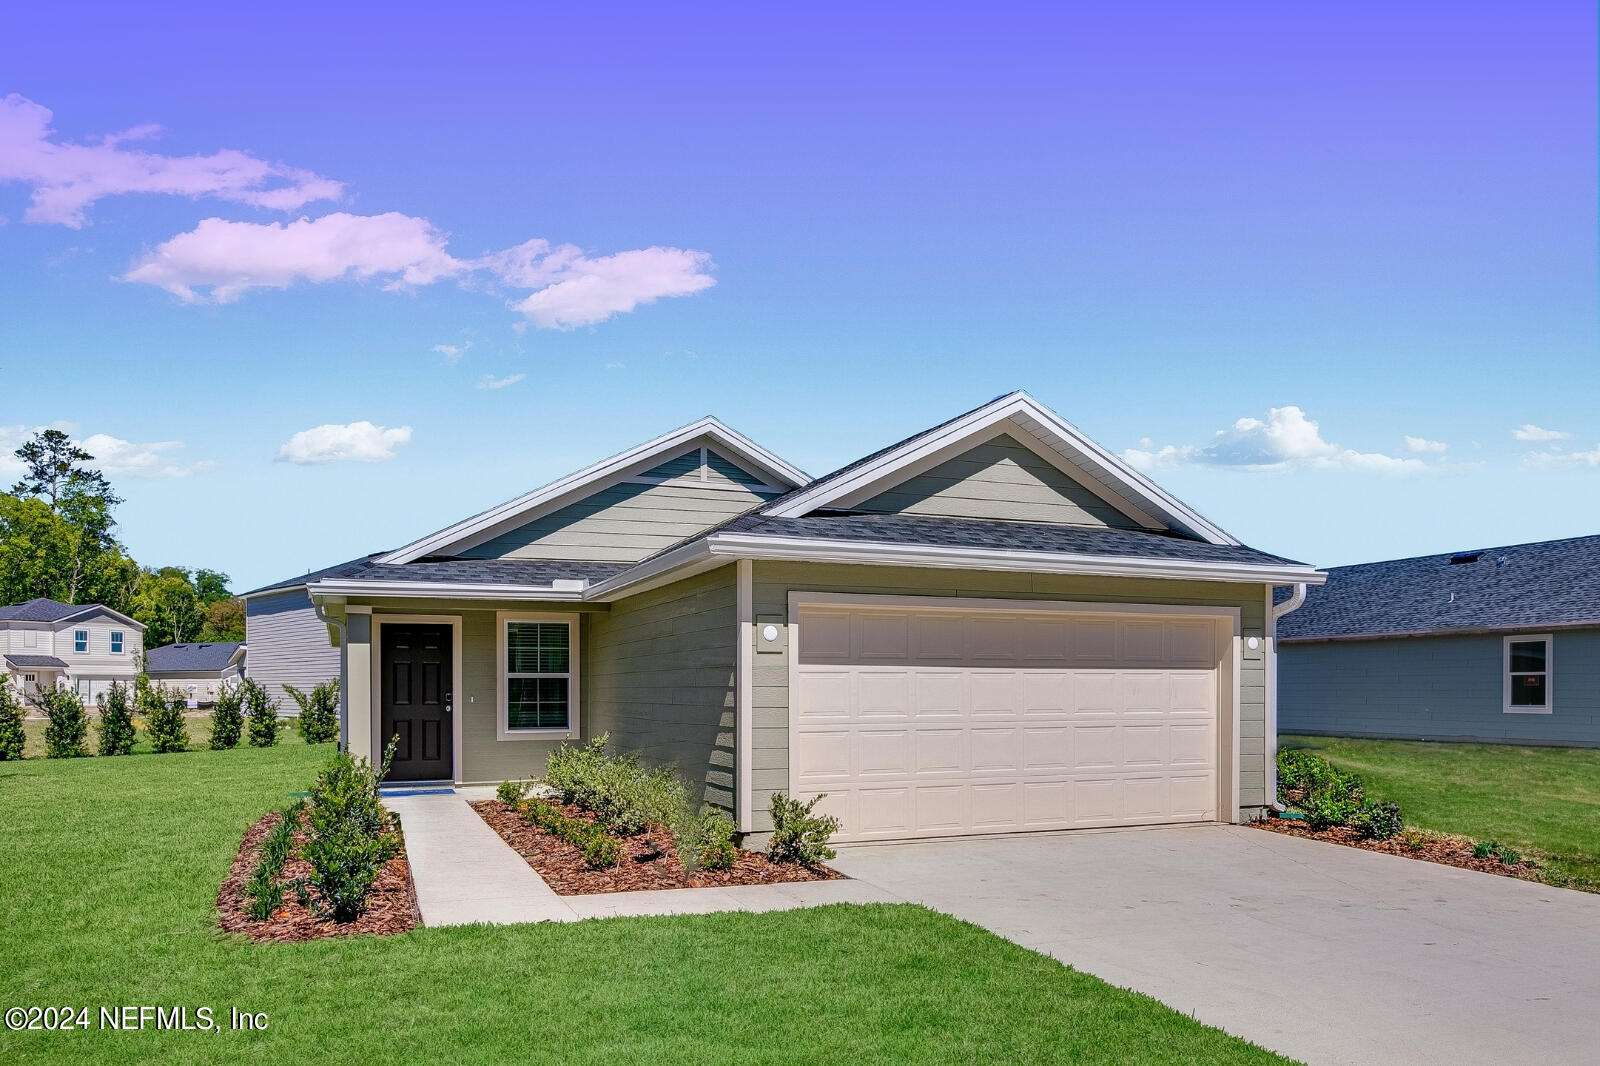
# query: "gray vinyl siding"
774, 581
999, 479
1436, 688
622, 523
661, 680
484, 757
287, 644
683, 466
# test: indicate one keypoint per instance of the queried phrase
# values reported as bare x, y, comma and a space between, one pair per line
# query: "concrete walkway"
1325, 953
465, 873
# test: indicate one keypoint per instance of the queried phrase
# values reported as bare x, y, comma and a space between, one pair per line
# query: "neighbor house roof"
1544, 585
24, 662
43, 609
208, 658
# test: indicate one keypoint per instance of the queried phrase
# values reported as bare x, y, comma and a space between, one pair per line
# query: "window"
30, 678
116, 642
30, 638
80, 640
1527, 674
538, 674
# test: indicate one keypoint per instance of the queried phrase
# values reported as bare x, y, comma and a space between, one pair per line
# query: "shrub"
1485, 848
116, 721
68, 726
261, 711
600, 849
227, 720
512, 793
705, 841
11, 735
1413, 839
798, 835
349, 834
1377, 821
264, 890
616, 788
1509, 856
163, 720
319, 711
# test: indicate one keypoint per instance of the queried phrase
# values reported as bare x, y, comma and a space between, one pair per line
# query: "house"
994, 625
86, 646
1493, 644
198, 671
288, 643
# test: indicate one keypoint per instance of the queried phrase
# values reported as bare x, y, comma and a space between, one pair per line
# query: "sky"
313, 284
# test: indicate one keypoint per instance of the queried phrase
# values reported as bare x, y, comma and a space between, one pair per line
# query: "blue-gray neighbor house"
1498, 644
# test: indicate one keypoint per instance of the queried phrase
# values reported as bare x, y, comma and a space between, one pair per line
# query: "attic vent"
1464, 557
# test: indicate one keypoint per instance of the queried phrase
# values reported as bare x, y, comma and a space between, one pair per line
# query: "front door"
416, 701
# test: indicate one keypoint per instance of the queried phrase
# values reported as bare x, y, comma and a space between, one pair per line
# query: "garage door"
939, 722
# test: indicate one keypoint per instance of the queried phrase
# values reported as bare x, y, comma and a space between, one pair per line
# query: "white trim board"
1549, 641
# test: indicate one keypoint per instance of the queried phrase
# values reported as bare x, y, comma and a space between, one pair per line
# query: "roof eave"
1454, 631
461, 590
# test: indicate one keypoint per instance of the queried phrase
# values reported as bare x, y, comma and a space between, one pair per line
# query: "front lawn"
199, 726
108, 876
1543, 801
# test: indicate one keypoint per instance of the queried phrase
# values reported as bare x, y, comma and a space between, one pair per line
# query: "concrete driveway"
1324, 953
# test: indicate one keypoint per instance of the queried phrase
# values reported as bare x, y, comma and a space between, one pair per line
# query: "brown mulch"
1430, 847
648, 860
391, 906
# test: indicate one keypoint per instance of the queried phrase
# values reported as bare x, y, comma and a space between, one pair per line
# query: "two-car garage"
925, 718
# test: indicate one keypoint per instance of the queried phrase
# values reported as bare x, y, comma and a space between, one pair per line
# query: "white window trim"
502, 686
85, 649
1549, 673
119, 642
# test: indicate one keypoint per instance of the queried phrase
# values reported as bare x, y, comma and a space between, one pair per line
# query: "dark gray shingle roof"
1520, 586
42, 610
190, 658
535, 573
22, 662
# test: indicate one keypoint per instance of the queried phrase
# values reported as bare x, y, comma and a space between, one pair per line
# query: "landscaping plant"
116, 721
625, 795
1377, 821
319, 711
705, 841
600, 849
261, 711
227, 718
11, 735
68, 726
349, 834
512, 793
163, 720
264, 889
798, 834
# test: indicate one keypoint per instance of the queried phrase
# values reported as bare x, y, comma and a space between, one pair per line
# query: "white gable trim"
574, 486
1106, 475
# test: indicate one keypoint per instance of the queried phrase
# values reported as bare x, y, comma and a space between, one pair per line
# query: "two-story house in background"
86, 646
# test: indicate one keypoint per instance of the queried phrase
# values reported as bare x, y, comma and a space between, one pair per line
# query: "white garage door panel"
927, 722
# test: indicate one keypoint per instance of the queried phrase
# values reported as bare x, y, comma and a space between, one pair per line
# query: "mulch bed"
648, 860
1432, 847
391, 906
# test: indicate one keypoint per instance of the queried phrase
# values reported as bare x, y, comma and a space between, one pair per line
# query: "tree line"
58, 539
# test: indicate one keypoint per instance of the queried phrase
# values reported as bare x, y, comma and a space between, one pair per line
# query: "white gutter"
441, 590
344, 685
1275, 612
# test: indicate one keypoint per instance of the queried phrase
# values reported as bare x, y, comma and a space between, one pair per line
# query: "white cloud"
360, 442
66, 178
1286, 440
453, 352
1531, 432
219, 261
489, 381
1580, 459
116, 457
1425, 446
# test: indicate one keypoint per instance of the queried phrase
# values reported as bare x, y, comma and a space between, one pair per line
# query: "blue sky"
1255, 247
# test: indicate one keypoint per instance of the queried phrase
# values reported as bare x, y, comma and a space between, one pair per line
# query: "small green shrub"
1510, 856
706, 841
116, 721
600, 849
1377, 821
798, 834
263, 892
261, 713
1413, 839
1484, 848
349, 835
319, 711
68, 726
227, 718
163, 720
627, 796
512, 793
12, 738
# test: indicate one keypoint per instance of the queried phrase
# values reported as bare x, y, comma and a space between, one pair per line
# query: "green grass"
1543, 801
108, 875
199, 735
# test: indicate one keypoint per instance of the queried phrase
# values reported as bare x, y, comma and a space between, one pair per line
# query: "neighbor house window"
1527, 672
116, 642
30, 678
538, 674
80, 640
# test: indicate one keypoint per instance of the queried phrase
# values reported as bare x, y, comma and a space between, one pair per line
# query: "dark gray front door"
416, 701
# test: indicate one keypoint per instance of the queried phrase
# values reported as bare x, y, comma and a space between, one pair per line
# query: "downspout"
344, 687
744, 695
1293, 603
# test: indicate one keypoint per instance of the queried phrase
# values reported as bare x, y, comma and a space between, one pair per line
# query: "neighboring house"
995, 625
197, 671
86, 646
1498, 644
288, 643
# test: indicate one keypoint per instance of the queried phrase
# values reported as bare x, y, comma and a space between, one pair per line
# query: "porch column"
358, 683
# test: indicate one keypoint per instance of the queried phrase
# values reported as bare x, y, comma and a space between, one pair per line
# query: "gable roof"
44, 609
191, 658
1543, 585
1097, 469
42, 662
634, 460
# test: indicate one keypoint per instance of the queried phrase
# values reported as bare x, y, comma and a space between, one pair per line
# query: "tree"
211, 586
57, 531
224, 620
167, 603
54, 469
